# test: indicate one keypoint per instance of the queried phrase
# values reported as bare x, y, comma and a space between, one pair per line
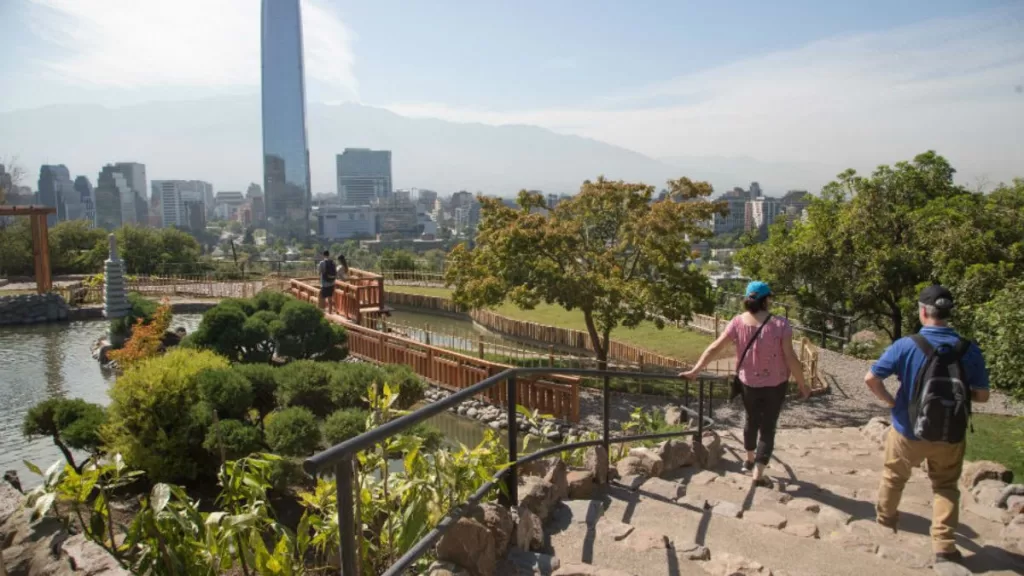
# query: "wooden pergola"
40, 240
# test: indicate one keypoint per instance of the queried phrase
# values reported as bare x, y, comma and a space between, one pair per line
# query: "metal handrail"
340, 457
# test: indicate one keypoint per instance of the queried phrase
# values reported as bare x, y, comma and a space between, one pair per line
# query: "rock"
830, 519
497, 519
988, 492
727, 509
703, 478
588, 570
642, 540
471, 412
767, 519
578, 512
802, 530
950, 569
673, 415
875, 430
804, 505
445, 569
86, 556
632, 482
853, 542
697, 502
975, 472
990, 513
693, 551
630, 466
596, 460
1013, 534
665, 489
523, 563
495, 425
733, 565
529, 530
1015, 505
903, 557
675, 454
1010, 492
617, 531
649, 462
538, 495
557, 477
469, 544
709, 451
581, 484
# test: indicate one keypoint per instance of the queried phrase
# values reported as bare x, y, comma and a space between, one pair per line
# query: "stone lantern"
115, 298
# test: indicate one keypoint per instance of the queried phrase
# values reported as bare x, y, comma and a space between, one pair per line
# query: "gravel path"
848, 403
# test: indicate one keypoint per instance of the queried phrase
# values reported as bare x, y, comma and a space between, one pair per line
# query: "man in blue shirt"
903, 451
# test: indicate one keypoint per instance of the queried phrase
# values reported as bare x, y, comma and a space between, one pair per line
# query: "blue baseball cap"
758, 290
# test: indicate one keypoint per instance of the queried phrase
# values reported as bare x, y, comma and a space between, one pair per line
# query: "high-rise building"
111, 188
364, 175
6, 181
285, 150
761, 213
396, 218
755, 191
134, 206
170, 195
227, 204
425, 199
86, 202
56, 191
734, 220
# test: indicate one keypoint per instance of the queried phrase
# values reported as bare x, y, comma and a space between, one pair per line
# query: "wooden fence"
554, 395
182, 286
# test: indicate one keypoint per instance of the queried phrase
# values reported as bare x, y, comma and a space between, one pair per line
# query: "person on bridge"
343, 271
940, 375
328, 273
765, 360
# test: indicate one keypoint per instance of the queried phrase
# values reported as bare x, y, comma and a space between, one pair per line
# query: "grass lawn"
1000, 439
682, 344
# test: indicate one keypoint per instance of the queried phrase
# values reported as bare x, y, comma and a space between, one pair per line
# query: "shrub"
999, 326
431, 437
72, 423
307, 384
303, 332
237, 438
352, 380
140, 308
272, 301
227, 392
149, 419
146, 339
263, 381
344, 424
221, 330
410, 386
293, 432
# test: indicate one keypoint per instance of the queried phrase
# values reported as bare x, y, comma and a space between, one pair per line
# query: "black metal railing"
339, 459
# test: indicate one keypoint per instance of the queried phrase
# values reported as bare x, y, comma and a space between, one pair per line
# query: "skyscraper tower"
285, 150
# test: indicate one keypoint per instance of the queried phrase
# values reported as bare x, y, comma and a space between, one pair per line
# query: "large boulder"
529, 534
1013, 534
581, 484
875, 430
708, 452
988, 492
556, 475
470, 545
675, 454
596, 461
538, 495
497, 519
975, 472
648, 460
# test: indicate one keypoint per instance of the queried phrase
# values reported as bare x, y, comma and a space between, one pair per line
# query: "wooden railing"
555, 395
359, 292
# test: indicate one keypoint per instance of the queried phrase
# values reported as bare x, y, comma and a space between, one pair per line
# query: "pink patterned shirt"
765, 364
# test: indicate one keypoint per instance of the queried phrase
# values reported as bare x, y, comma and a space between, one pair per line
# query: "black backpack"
940, 408
330, 271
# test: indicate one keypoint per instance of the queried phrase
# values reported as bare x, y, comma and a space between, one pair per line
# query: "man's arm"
877, 387
978, 374
884, 367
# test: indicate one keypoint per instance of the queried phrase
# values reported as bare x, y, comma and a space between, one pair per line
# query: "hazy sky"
839, 83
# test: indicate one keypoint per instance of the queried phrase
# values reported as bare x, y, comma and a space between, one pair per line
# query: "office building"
111, 187
172, 195
462, 198
425, 199
761, 213
56, 191
86, 206
396, 218
734, 220
364, 176
286, 182
135, 208
467, 218
227, 203
344, 222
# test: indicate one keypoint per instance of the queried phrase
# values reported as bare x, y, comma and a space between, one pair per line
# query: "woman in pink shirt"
765, 360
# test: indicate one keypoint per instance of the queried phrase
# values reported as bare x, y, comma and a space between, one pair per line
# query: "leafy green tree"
303, 332
73, 247
70, 423
16, 249
233, 439
397, 260
1000, 330
609, 252
263, 381
226, 391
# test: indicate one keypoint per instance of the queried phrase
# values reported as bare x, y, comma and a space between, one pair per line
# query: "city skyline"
804, 89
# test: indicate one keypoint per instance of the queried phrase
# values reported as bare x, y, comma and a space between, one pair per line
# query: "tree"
77, 247
13, 173
1000, 329
71, 423
609, 252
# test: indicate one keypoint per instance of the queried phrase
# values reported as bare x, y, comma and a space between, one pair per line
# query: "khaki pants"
945, 462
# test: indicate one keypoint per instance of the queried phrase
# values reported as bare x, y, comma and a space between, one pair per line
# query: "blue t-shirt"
904, 359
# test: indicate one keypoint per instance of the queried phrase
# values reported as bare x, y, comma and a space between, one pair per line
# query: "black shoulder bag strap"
737, 384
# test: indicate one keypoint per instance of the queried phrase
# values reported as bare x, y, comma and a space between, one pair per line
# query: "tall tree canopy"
870, 243
609, 252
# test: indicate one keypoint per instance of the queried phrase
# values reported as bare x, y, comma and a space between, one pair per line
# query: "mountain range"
219, 140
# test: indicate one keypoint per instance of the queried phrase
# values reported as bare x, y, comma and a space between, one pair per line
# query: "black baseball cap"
938, 296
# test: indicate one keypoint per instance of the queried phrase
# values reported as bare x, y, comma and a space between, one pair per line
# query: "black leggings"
763, 405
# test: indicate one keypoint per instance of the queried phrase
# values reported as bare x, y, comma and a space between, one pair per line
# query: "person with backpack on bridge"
328, 274
940, 376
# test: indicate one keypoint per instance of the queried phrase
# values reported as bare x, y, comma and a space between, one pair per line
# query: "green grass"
681, 344
1000, 439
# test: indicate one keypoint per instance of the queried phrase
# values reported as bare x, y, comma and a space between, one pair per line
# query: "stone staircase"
816, 519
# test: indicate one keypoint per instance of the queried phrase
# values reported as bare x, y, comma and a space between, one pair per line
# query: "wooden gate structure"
40, 241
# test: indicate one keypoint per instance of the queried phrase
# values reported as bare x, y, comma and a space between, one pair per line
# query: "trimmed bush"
345, 424
307, 384
410, 386
352, 380
237, 438
227, 392
263, 380
71, 423
140, 308
272, 301
293, 432
303, 332
149, 420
